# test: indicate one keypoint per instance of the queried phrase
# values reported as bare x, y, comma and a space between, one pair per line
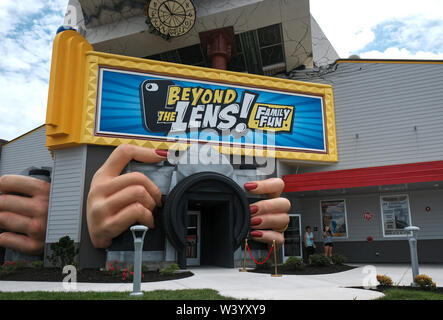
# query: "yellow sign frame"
72, 100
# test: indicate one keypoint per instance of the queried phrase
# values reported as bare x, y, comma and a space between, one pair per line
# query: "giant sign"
115, 99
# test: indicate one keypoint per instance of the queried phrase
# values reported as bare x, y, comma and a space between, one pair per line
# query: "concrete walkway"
248, 285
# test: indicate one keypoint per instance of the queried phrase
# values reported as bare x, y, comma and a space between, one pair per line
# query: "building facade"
388, 118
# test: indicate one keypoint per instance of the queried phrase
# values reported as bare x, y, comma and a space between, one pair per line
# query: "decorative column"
219, 45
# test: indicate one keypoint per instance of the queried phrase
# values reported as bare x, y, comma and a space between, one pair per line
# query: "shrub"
384, 280
113, 268
293, 263
127, 274
319, 260
37, 264
7, 268
11, 266
424, 281
63, 252
170, 270
21, 264
338, 259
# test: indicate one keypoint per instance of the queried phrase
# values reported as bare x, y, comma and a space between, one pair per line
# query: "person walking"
309, 243
327, 241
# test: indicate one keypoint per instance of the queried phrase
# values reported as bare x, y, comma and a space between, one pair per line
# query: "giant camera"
214, 191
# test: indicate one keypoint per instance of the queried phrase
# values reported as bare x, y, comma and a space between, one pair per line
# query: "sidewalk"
248, 285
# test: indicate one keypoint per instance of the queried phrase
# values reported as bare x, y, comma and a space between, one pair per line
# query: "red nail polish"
251, 186
254, 209
256, 222
256, 234
162, 153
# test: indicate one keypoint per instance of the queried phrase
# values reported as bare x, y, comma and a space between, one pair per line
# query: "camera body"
215, 190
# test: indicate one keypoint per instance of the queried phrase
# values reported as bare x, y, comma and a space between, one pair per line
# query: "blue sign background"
120, 112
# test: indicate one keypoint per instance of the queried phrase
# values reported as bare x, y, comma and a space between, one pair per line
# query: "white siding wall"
322, 50
430, 223
396, 109
26, 152
66, 201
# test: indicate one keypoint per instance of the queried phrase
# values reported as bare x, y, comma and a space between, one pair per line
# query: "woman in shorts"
309, 243
327, 241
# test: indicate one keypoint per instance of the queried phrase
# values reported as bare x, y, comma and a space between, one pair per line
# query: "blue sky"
390, 29
382, 29
27, 29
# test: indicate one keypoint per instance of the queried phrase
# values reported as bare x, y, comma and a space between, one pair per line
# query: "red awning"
365, 177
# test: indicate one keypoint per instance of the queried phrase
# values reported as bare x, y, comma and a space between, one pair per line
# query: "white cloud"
396, 53
27, 29
349, 24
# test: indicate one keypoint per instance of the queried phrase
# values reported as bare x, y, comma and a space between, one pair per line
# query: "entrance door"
217, 235
193, 239
293, 240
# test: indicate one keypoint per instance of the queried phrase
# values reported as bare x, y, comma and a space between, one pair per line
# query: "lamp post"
412, 237
138, 250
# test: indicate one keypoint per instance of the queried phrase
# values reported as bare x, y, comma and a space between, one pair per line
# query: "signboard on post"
164, 105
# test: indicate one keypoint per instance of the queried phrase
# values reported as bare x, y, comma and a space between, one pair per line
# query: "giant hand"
269, 218
24, 218
116, 202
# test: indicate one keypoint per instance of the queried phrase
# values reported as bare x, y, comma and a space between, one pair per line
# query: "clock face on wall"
172, 18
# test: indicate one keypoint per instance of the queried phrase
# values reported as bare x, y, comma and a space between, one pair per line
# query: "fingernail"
256, 221
251, 186
162, 153
256, 234
254, 209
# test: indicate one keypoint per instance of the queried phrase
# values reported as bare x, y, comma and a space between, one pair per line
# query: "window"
258, 51
192, 55
396, 215
333, 214
237, 61
271, 45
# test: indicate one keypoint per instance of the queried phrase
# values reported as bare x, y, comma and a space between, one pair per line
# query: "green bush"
113, 268
293, 263
384, 280
116, 269
338, 259
319, 260
7, 268
128, 274
11, 266
170, 270
424, 282
37, 264
63, 252
21, 264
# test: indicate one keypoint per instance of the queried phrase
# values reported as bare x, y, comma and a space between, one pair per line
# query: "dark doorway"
216, 243
224, 215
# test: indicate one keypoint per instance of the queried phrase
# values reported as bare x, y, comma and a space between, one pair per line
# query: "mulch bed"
384, 288
86, 275
306, 270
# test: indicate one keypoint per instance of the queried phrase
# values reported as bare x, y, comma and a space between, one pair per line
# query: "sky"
377, 29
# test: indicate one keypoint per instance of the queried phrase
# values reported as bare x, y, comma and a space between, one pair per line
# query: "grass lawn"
201, 294
404, 294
